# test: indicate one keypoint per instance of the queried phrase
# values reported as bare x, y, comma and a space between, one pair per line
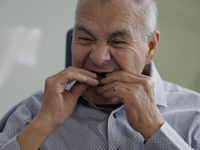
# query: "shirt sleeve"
166, 139
19, 120
10, 144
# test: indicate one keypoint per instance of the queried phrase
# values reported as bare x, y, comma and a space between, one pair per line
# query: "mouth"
100, 76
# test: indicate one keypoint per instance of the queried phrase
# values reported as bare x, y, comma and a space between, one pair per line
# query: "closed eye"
117, 42
85, 39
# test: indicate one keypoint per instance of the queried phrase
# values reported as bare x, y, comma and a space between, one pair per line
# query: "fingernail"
96, 81
107, 74
100, 83
84, 78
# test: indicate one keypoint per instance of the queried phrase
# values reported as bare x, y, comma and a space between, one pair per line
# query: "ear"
153, 42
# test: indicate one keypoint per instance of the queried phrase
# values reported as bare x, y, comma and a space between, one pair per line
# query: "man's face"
108, 38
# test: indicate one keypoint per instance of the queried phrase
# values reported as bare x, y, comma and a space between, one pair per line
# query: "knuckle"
123, 75
148, 82
115, 84
140, 87
48, 81
66, 73
70, 68
135, 96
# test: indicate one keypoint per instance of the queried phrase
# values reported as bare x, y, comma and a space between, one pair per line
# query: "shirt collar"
100, 107
160, 93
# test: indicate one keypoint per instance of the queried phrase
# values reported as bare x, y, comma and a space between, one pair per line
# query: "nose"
100, 54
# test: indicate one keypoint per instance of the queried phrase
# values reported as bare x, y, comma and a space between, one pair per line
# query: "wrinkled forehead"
109, 11
119, 5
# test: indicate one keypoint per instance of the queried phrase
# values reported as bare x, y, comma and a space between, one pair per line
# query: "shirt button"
115, 115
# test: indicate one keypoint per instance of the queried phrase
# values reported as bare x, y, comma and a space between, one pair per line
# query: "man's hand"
136, 92
58, 105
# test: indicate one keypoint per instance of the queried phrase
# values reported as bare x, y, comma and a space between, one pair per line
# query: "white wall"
177, 59
54, 18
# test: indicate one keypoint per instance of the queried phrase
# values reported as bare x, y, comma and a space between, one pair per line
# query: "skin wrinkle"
121, 34
147, 16
102, 27
134, 43
83, 29
91, 16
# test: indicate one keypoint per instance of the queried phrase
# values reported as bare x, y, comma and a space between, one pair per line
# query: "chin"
96, 98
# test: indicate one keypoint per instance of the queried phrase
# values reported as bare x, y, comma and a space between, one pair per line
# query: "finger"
84, 71
133, 89
118, 92
70, 74
104, 88
114, 85
77, 90
75, 70
115, 89
80, 77
120, 76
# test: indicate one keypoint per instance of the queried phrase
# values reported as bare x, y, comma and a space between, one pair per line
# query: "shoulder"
34, 102
180, 94
38, 95
174, 88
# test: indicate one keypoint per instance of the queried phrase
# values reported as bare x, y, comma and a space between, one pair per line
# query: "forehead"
111, 14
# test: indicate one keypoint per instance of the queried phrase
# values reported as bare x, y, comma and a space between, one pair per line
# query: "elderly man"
119, 100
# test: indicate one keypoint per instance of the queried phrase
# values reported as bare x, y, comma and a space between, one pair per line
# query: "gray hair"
148, 13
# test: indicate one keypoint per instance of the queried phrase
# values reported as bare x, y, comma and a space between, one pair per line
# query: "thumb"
78, 89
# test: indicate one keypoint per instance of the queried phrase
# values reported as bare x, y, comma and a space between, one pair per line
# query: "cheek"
123, 59
130, 60
79, 54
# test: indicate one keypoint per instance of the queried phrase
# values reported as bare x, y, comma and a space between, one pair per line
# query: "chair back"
6, 116
68, 60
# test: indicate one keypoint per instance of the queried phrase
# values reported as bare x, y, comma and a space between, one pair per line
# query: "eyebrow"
82, 28
122, 32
